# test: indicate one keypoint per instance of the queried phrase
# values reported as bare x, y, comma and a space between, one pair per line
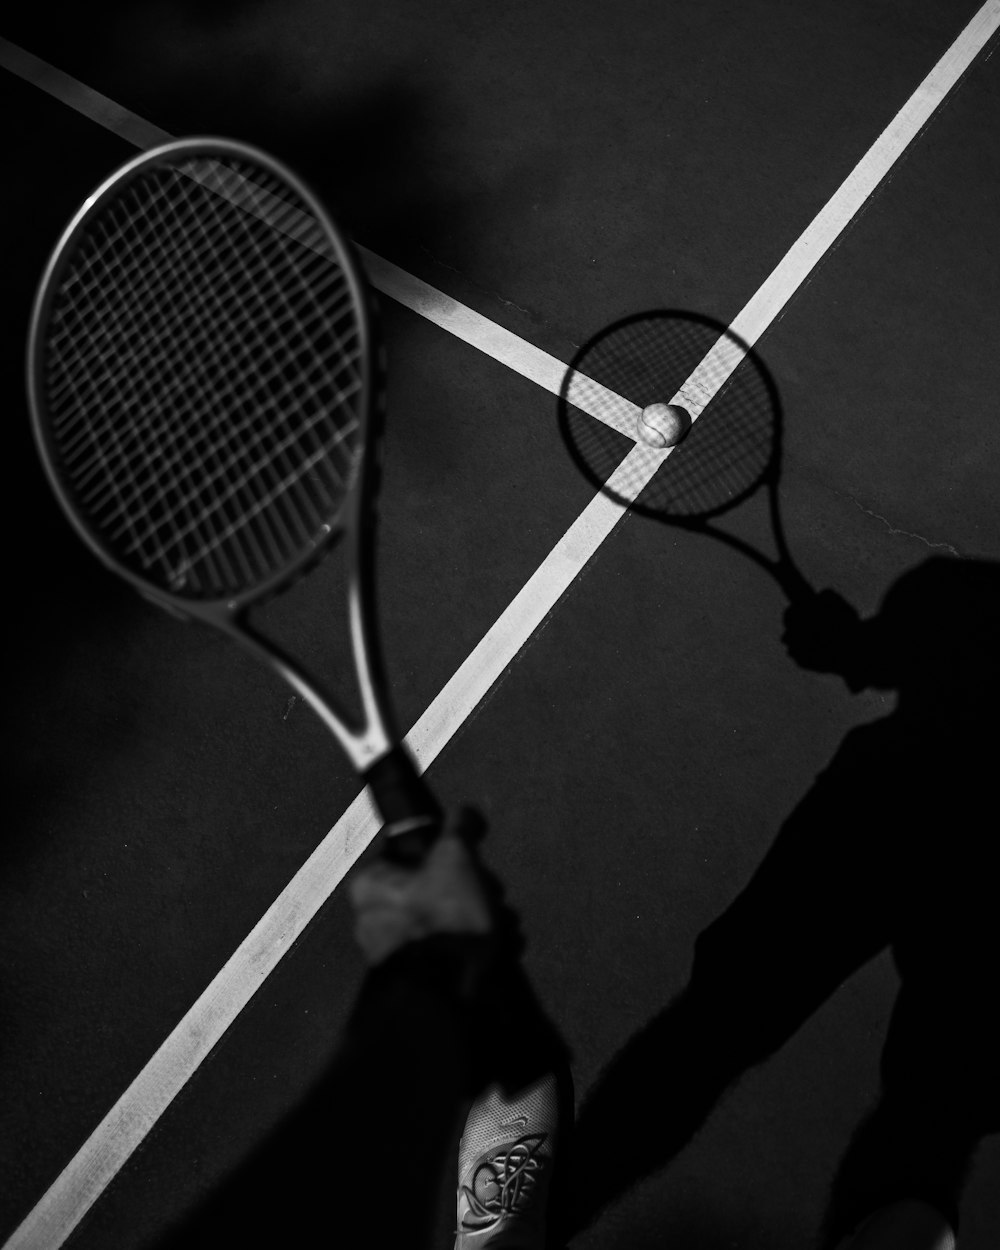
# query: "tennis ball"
663, 425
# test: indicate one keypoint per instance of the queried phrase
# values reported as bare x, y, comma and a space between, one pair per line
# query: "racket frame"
372, 746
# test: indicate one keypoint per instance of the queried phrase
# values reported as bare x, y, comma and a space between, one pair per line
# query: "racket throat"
410, 813
363, 747
368, 667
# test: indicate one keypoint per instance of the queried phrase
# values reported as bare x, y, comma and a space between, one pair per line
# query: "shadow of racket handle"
792, 582
411, 815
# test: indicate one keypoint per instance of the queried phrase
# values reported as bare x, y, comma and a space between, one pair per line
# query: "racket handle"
410, 813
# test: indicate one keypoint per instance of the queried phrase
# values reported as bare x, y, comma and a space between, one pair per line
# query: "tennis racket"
205, 386
732, 449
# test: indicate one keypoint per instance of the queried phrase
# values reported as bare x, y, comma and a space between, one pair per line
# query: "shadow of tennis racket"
733, 447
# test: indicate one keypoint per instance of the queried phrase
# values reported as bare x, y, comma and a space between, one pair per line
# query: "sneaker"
909, 1225
505, 1161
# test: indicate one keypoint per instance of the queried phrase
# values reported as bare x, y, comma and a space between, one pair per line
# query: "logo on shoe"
520, 1121
503, 1181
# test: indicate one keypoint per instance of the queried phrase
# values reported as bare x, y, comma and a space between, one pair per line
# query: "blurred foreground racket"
206, 394
732, 448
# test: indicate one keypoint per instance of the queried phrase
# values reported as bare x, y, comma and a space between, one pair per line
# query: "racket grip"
411, 815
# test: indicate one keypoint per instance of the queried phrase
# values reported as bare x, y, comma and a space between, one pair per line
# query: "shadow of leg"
648, 1103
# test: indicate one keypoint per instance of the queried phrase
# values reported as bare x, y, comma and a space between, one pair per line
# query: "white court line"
123, 1129
94, 106
478, 331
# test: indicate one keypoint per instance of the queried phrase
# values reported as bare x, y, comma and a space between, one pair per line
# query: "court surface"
178, 817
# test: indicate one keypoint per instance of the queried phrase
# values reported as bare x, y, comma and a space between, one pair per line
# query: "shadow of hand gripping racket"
732, 448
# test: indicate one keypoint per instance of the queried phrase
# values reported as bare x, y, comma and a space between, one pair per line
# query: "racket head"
673, 356
204, 377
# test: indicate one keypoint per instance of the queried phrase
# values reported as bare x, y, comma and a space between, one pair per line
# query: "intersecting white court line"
122, 1130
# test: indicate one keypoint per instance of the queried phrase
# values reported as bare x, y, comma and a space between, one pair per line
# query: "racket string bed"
126, 396
186, 466
725, 455
235, 373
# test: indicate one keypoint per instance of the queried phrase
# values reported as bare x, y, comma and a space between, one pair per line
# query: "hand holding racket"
728, 404
449, 892
206, 394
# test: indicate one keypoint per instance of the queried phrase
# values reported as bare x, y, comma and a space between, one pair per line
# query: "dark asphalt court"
554, 166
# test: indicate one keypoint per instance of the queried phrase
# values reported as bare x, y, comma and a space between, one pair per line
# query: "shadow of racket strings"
732, 449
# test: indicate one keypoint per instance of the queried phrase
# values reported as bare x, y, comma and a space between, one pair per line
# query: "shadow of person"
893, 846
